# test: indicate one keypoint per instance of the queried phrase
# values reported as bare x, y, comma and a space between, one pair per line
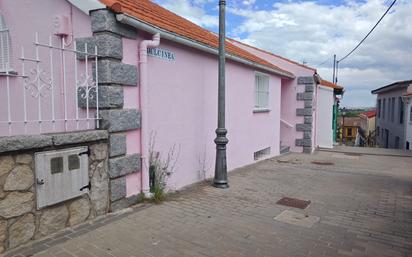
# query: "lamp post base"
221, 184
220, 180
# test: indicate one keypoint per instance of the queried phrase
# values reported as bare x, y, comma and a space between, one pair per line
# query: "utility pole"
220, 179
334, 62
337, 70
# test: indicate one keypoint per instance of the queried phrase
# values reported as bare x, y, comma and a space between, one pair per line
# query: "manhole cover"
298, 219
322, 163
293, 202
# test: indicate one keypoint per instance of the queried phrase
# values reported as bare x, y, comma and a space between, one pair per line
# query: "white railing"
54, 91
286, 123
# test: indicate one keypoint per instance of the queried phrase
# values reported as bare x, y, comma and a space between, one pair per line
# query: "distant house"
368, 125
368, 121
349, 126
391, 115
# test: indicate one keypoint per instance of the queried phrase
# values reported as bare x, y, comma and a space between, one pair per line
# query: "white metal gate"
53, 89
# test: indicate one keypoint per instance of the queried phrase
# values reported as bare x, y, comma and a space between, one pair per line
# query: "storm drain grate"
293, 202
322, 163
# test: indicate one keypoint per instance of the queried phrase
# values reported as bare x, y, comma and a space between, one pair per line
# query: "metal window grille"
53, 89
5, 46
410, 114
379, 108
261, 91
401, 110
261, 153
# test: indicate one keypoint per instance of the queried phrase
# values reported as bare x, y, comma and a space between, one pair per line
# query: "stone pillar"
113, 76
307, 112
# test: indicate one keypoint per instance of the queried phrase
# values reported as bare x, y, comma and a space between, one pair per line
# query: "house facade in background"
368, 123
349, 126
89, 90
391, 122
328, 102
368, 126
314, 119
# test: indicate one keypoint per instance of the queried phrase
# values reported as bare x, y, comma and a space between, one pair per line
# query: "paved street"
364, 203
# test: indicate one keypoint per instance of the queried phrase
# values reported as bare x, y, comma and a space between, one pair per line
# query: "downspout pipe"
128, 20
143, 100
315, 120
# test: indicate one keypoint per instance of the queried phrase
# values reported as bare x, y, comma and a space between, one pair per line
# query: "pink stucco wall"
23, 27
182, 111
289, 102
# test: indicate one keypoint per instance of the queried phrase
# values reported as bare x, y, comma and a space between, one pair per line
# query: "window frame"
401, 109
393, 110
6, 48
410, 113
258, 106
379, 107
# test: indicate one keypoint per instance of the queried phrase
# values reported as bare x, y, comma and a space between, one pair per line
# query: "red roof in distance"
369, 114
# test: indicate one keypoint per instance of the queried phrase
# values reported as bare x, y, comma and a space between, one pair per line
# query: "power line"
323, 62
368, 32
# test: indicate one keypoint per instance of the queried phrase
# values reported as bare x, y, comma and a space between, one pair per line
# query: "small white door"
61, 175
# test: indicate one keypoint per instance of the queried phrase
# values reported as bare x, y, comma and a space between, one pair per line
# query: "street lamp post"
220, 179
343, 125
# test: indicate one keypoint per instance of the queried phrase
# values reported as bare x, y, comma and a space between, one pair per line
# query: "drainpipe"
143, 100
315, 120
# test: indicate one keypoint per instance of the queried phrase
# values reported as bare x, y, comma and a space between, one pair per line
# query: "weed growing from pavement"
160, 169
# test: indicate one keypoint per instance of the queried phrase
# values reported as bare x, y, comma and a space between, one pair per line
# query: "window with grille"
410, 114
379, 108
401, 111
5, 46
261, 91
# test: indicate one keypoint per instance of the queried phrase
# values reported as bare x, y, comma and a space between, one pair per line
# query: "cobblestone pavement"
364, 203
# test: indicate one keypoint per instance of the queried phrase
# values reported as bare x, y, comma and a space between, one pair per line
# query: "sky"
312, 31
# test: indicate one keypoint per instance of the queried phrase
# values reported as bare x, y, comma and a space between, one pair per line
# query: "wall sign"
161, 53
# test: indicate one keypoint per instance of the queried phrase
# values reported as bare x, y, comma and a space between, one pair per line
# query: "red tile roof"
369, 114
153, 14
330, 84
275, 55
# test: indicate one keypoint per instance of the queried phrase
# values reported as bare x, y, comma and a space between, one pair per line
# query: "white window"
5, 46
261, 91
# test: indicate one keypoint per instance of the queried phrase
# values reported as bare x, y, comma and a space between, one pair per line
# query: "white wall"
324, 131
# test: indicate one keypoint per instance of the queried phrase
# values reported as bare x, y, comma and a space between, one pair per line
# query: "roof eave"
396, 85
136, 23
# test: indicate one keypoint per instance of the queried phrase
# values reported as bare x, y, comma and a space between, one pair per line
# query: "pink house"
298, 100
91, 89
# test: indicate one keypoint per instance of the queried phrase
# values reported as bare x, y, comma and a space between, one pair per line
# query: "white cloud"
193, 11
314, 32
248, 2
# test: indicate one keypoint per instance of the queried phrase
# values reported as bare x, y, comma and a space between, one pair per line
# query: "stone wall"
307, 112
114, 75
20, 221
